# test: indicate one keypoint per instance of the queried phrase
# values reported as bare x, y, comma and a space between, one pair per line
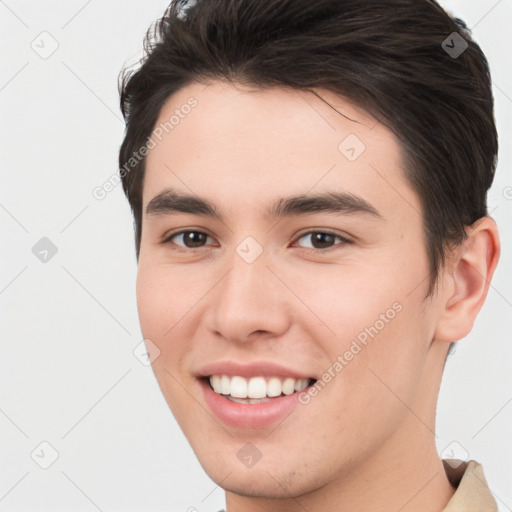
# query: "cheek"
168, 301
149, 303
376, 322
390, 351
162, 298
345, 299
160, 307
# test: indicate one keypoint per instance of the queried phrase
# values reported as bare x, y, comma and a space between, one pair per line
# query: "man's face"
255, 288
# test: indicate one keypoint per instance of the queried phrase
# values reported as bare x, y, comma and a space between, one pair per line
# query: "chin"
257, 486
260, 481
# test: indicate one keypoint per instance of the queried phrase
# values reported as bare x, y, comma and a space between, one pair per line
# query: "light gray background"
69, 326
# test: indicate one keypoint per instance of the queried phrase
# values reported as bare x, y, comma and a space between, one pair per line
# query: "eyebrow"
171, 201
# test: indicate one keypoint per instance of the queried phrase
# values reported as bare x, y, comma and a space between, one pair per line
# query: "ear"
467, 280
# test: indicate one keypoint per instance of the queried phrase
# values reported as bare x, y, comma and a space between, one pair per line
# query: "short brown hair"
390, 57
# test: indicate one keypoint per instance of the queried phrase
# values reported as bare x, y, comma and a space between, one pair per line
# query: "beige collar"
473, 493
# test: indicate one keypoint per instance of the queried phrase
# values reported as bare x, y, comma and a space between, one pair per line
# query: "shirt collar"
473, 493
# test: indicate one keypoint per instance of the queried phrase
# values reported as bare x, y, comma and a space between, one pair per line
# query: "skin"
366, 441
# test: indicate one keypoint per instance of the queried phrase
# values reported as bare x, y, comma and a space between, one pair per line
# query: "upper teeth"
256, 387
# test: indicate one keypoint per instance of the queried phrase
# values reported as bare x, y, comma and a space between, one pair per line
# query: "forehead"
243, 146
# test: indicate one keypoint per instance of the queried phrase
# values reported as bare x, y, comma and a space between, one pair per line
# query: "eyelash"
344, 241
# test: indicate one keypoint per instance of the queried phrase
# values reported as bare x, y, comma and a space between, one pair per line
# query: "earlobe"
469, 279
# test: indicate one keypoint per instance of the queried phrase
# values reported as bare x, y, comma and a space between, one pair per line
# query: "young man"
308, 182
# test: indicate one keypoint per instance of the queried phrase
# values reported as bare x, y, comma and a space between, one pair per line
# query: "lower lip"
249, 415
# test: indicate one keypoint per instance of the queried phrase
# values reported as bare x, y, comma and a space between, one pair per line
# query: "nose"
249, 302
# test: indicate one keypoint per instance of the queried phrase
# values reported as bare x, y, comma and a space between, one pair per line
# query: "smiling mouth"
256, 389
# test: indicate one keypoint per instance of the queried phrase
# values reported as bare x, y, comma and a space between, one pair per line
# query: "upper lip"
254, 369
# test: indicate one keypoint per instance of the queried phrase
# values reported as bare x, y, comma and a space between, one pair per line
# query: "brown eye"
190, 239
323, 239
